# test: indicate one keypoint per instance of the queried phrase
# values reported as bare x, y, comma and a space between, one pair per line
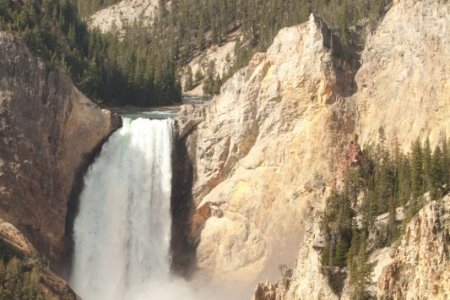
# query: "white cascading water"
122, 231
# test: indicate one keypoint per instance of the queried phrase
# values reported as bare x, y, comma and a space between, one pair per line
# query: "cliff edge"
48, 135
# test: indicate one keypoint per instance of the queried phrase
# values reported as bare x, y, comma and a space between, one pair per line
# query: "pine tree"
391, 232
217, 84
360, 277
436, 174
353, 251
446, 161
427, 181
11, 277
416, 177
341, 253
404, 179
189, 83
208, 83
198, 76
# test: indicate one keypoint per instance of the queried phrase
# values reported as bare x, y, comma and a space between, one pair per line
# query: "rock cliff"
404, 80
417, 267
16, 245
262, 153
223, 57
49, 133
127, 13
420, 268
403, 87
266, 152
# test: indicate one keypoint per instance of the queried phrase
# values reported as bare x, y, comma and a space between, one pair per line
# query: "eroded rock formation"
49, 133
404, 79
421, 264
127, 13
15, 244
263, 152
266, 152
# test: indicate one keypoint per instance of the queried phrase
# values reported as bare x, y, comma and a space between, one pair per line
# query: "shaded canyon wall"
49, 132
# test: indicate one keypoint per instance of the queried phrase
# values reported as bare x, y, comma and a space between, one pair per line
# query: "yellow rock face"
263, 156
268, 149
117, 17
404, 80
421, 264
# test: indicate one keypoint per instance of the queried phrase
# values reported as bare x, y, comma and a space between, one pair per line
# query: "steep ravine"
49, 134
266, 152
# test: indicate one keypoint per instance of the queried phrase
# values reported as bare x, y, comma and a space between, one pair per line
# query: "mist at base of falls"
123, 229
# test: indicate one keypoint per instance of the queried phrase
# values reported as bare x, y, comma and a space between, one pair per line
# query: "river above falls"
158, 112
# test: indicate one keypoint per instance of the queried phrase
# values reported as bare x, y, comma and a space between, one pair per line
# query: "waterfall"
122, 231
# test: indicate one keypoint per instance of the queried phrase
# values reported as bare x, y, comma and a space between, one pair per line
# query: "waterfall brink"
122, 231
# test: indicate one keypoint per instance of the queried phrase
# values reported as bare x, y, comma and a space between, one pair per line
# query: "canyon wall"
127, 13
420, 267
49, 134
416, 267
404, 80
223, 57
14, 244
403, 87
263, 154
266, 152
